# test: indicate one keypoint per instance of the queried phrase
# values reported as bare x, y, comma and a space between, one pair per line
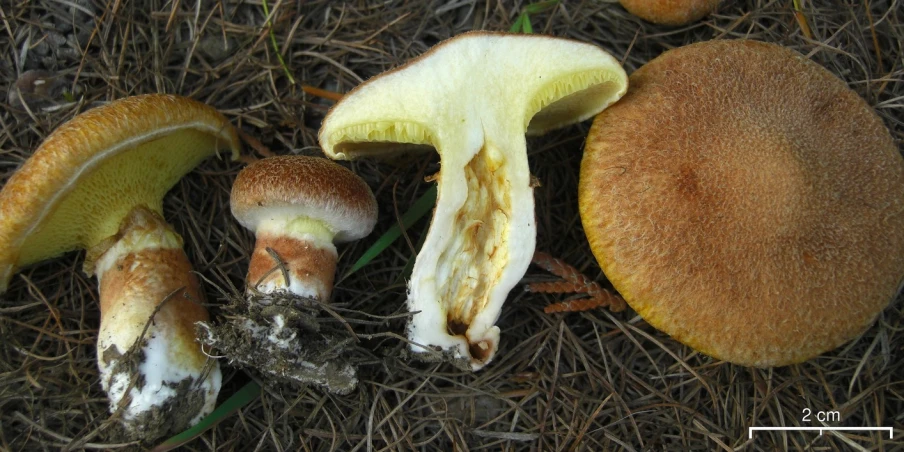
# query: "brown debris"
574, 282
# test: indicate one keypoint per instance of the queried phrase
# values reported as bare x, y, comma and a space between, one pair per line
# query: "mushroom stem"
294, 255
486, 195
151, 365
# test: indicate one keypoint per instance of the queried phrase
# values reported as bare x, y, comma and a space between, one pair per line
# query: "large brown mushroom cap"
745, 201
670, 12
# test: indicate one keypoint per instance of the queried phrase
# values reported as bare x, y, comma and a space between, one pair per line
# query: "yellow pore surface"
86, 177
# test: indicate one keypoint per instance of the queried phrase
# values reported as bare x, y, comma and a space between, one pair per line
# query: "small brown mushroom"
97, 183
670, 12
745, 201
298, 207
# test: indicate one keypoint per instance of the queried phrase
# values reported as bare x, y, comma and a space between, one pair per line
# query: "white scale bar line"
822, 429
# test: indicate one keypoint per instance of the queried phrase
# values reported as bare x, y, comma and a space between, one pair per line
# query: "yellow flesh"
100, 197
476, 258
474, 261
281, 223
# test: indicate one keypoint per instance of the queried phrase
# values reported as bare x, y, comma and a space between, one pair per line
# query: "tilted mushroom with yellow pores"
745, 201
473, 98
97, 183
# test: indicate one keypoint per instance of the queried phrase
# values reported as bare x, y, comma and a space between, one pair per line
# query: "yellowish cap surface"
90, 172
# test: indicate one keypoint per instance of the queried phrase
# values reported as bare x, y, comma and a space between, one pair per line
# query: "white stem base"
151, 364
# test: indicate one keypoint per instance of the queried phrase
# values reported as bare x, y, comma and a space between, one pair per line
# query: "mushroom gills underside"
101, 193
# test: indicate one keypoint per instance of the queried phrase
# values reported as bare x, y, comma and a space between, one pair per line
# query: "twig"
575, 282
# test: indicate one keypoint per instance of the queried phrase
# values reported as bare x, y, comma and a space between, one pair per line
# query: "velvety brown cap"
745, 201
304, 186
670, 12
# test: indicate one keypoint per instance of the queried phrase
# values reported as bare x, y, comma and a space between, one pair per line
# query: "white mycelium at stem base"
149, 359
473, 98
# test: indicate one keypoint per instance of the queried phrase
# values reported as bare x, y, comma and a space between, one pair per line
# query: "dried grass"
590, 381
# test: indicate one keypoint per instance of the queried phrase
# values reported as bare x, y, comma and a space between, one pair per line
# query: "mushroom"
670, 12
298, 207
761, 219
97, 183
472, 98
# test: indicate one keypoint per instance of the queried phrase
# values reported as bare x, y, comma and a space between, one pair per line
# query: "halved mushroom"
745, 201
472, 98
298, 207
97, 183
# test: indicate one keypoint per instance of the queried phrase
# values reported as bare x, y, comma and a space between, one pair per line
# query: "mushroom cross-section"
97, 183
745, 201
472, 98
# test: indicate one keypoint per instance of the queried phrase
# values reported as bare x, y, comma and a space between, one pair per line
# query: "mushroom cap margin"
567, 81
670, 12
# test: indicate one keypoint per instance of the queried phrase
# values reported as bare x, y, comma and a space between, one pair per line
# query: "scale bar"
823, 429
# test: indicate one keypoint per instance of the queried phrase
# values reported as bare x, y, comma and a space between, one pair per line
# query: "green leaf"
279, 56
516, 27
539, 7
241, 398
420, 208
522, 23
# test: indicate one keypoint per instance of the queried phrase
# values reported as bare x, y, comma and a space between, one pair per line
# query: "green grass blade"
279, 56
539, 7
241, 398
522, 23
516, 27
420, 208
406, 270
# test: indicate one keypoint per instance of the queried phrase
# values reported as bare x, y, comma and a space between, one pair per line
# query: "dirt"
285, 342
